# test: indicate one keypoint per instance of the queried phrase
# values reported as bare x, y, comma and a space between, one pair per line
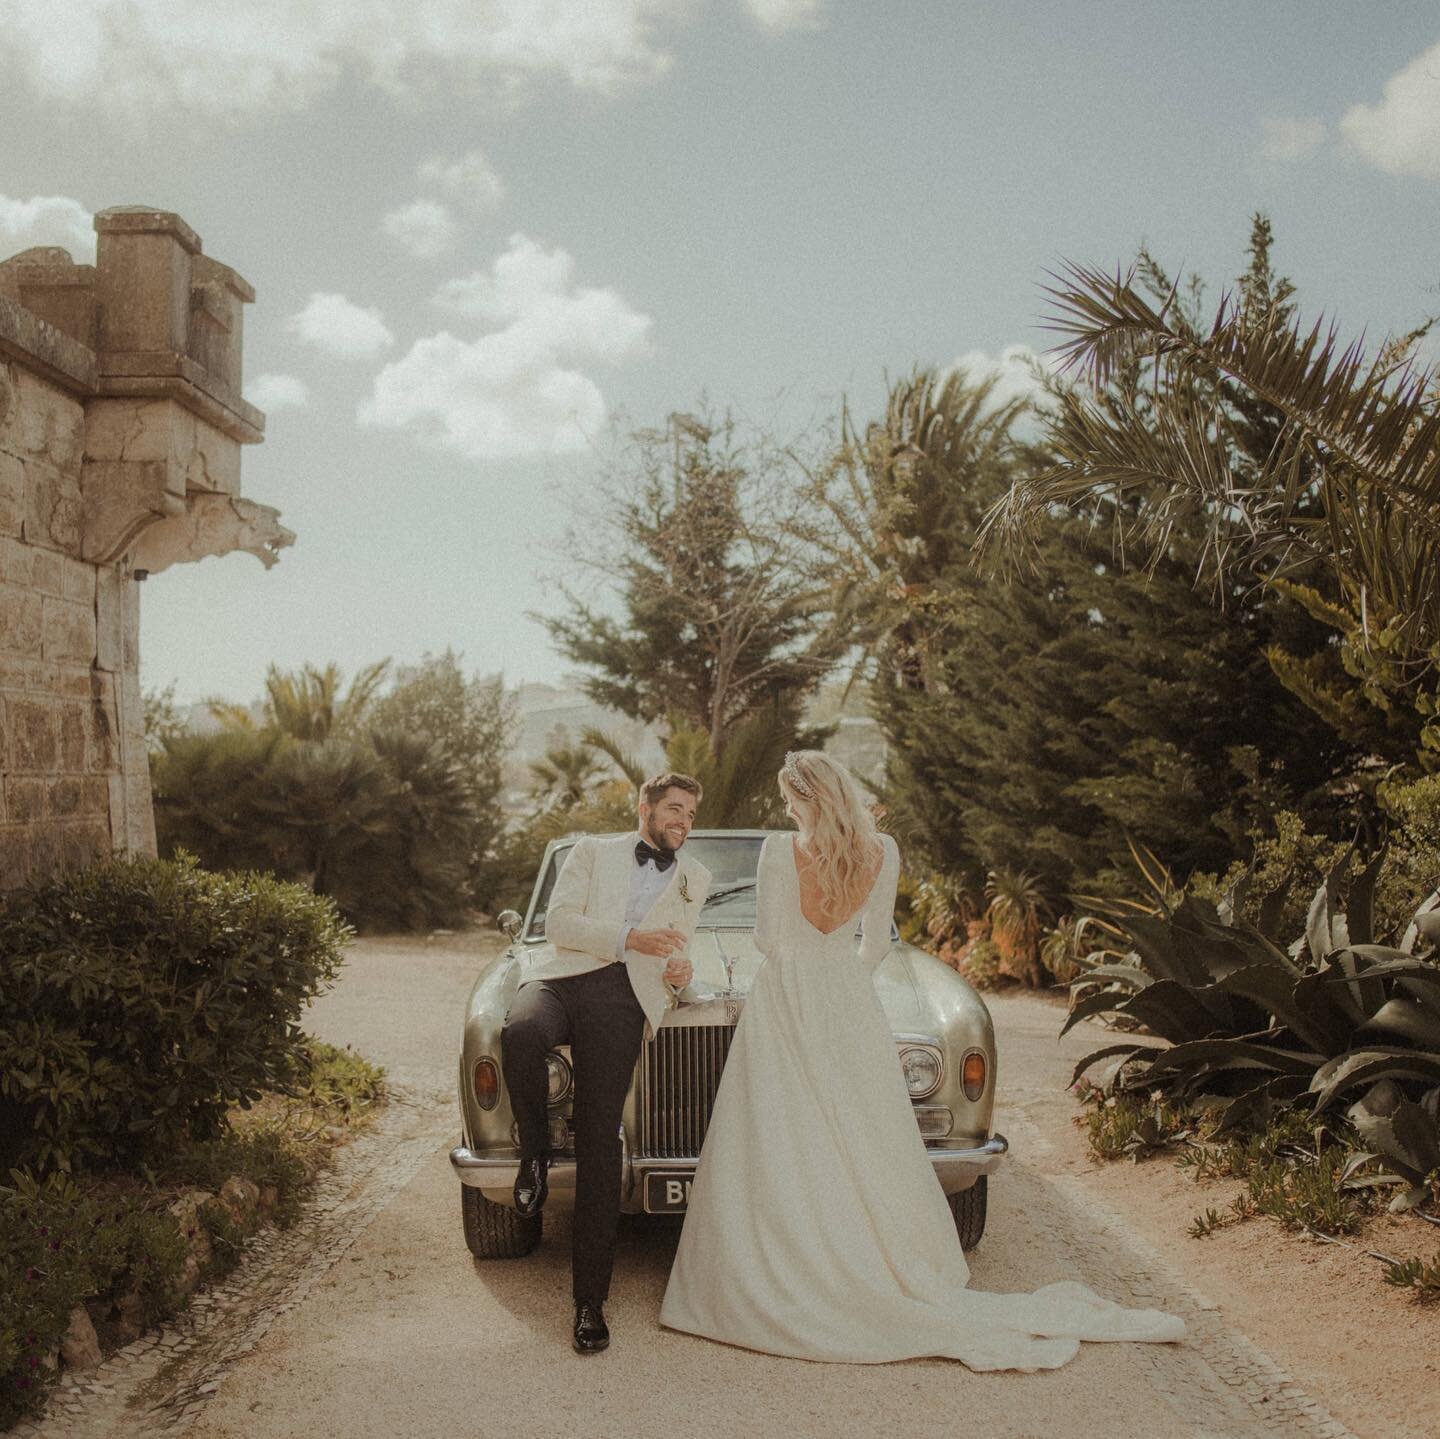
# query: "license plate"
668, 1193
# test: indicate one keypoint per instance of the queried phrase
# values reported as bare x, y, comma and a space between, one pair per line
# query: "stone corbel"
121, 499
212, 524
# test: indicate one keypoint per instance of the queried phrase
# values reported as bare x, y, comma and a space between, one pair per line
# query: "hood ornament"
727, 961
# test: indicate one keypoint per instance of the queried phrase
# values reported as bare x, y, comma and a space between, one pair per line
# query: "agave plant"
1246, 1025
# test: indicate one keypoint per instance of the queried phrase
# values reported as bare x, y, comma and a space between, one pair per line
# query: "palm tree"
1153, 424
564, 776
307, 704
1017, 911
608, 745
887, 502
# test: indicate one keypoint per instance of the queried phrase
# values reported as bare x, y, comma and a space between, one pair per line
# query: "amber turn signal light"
487, 1084
972, 1075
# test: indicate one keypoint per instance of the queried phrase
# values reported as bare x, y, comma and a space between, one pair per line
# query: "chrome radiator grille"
679, 1075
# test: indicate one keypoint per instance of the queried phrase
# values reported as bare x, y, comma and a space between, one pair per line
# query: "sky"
488, 235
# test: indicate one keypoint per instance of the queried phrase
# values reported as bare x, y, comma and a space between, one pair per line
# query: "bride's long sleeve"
767, 898
879, 911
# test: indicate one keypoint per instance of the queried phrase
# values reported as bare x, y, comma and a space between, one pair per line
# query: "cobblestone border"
165, 1378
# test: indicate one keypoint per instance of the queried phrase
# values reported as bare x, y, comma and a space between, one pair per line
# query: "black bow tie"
663, 858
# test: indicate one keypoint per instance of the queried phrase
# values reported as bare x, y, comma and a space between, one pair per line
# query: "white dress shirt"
647, 884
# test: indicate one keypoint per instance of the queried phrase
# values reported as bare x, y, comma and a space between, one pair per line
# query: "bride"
816, 1227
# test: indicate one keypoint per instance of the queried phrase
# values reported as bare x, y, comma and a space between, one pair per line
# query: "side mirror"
509, 921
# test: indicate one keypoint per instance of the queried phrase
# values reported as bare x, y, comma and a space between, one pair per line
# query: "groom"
620, 919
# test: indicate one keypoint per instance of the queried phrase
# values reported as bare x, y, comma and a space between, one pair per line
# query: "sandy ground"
405, 1334
1321, 1310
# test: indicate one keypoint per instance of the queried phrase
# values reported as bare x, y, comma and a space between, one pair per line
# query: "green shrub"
266, 1154
152, 995
339, 1080
227, 1239
1122, 1125
1420, 1277
60, 1247
1287, 864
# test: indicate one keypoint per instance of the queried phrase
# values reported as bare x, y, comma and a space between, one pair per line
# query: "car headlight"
923, 1069
558, 1078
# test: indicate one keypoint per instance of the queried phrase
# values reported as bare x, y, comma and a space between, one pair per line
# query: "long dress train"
816, 1227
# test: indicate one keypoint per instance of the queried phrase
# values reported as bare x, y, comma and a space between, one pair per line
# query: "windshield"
730, 858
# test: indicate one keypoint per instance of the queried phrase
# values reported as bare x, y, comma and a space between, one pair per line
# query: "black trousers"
598, 1016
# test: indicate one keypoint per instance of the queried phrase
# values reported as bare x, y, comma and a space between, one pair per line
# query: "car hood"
918, 993
905, 980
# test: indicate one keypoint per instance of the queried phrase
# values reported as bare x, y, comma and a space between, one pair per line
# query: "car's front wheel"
968, 1208
495, 1231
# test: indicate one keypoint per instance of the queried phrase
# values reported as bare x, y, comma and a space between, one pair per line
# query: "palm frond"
1145, 434
606, 744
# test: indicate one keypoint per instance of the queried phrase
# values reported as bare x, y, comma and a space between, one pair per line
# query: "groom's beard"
654, 837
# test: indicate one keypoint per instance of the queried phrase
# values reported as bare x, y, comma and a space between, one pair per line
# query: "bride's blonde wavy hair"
836, 825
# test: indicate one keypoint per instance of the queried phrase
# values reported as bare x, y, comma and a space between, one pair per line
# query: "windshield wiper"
726, 890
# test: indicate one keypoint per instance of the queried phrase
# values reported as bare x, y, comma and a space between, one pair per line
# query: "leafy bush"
339, 1080
1288, 861
151, 995
382, 822
60, 1247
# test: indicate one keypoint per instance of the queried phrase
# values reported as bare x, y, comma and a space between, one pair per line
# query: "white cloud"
47, 220
1287, 137
336, 325
521, 279
426, 228
266, 54
517, 390
471, 180
277, 392
1017, 371
778, 16
1402, 133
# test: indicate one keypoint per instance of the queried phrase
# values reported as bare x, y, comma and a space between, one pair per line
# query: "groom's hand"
661, 943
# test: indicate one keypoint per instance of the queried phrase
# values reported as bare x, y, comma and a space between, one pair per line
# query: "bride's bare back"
813, 908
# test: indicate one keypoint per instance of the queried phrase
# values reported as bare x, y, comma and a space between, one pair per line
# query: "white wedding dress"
816, 1227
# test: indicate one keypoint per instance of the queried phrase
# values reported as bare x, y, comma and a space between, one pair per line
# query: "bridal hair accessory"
791, 770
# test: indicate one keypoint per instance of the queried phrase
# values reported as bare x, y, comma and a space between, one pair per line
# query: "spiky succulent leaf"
1364, 1066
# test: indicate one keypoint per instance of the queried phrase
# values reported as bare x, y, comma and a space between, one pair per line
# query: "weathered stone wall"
120, 426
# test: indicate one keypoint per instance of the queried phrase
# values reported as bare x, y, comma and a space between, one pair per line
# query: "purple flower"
32, 1274
23, 1382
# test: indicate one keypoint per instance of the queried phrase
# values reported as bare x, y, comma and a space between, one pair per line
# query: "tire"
495, 1231
968, 1208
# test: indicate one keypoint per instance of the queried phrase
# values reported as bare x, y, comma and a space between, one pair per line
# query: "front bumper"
957, 1166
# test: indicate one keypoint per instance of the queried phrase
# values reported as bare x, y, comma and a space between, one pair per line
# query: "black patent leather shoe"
591, 1332
531, 1187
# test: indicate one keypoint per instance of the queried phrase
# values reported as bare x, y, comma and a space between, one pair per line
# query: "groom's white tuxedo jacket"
587, 912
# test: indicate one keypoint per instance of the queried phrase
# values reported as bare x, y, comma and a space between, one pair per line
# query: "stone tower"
121, 421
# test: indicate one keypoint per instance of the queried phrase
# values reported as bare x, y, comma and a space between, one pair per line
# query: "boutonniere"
685, 889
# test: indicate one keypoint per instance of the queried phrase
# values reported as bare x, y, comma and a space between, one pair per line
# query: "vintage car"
944, 1040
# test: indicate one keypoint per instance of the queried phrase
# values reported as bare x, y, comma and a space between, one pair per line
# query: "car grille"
679, 1076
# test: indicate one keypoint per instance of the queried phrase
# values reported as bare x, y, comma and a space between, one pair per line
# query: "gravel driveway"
372, 1321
